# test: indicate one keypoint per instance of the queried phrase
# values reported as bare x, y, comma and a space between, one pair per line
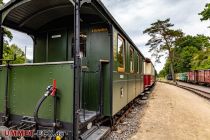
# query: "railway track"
199, 92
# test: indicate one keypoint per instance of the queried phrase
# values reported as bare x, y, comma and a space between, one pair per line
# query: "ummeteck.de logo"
3, 130
7, 134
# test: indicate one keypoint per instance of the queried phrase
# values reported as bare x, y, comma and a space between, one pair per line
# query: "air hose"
49, 91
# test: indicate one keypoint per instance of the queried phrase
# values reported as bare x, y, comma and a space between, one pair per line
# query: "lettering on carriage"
99, 30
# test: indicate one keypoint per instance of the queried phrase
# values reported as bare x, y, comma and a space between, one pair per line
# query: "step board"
96, 133
142, 94
147, 92
144, 98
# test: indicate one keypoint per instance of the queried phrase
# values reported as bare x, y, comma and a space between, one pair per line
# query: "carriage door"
57, 46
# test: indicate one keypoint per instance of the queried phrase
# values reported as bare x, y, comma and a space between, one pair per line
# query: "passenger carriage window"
121, 54
131, 59
83, 39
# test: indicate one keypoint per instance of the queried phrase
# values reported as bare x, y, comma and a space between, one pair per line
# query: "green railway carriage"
93, 66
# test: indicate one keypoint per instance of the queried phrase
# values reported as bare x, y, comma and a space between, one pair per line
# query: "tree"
163, 40
191, 53
165, 71
187, 47
198, 41
185, 58
201, 60
10, 51
206, 12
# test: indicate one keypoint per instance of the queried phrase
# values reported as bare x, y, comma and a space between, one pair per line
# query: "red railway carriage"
204, 76
192, 76
201, 76
149, 73
147, 80
207, 76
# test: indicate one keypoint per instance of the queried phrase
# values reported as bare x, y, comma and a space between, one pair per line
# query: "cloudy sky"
136, 15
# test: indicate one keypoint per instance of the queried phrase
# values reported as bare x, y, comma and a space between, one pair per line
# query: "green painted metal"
51, 47
57, 46
138, 84
120, 92
126, 85
131, 83
137, 74
40, 48
27, 84
2, 87
98, 47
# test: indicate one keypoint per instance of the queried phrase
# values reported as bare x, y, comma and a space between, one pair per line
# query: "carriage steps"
95, 133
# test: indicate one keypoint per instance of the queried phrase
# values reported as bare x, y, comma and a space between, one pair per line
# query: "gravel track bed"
131, 123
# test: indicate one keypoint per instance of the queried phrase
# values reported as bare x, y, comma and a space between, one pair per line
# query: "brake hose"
48, 92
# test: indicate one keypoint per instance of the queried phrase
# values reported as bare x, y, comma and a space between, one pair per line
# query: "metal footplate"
95, 133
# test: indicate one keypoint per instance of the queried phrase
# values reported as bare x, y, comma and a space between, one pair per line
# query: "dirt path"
175, 114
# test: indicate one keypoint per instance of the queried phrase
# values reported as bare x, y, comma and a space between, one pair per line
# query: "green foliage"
8, 34
201, 60
183, 62
11, 50
188, 49
191, 53
163, 40
199, 41
206, 12
166, 70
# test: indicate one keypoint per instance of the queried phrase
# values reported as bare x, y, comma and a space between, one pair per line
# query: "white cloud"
22, 40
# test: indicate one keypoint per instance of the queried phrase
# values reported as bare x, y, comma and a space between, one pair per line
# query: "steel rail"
199, 92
